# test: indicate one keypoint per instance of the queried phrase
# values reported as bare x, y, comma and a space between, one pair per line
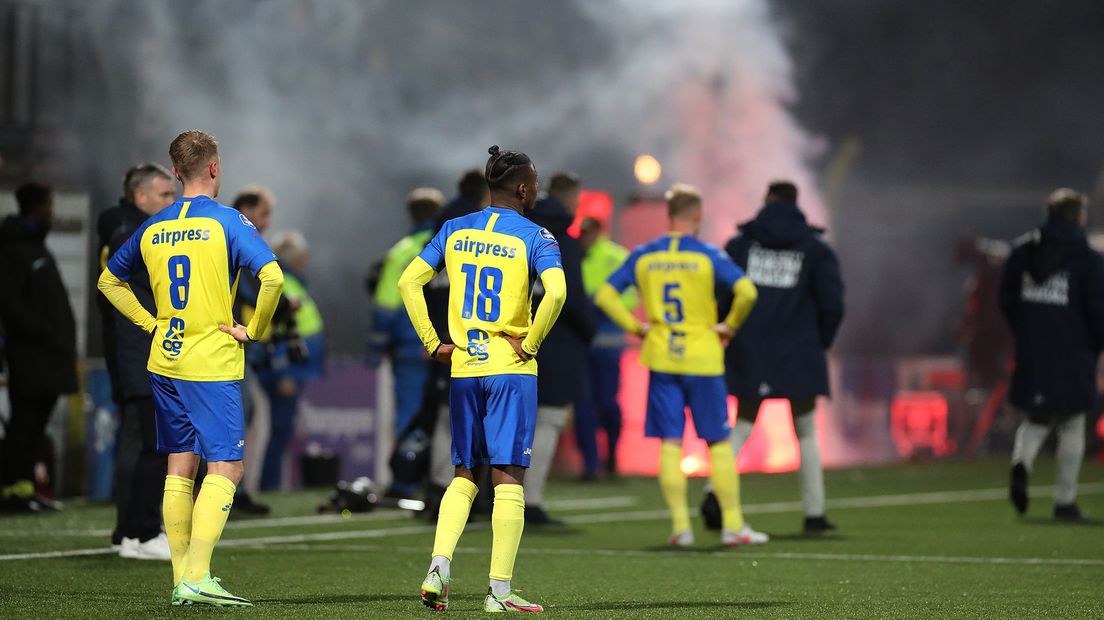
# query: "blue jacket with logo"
1052, 294
779, 352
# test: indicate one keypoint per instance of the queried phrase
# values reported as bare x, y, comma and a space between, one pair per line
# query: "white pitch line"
565, 505
873, 501
736, 554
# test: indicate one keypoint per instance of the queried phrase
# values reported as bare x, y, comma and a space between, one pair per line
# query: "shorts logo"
478, 342
174, 337
528, 452
241, 443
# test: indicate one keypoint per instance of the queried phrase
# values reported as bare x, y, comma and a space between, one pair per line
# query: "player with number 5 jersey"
679, 279
193, 251
491, 258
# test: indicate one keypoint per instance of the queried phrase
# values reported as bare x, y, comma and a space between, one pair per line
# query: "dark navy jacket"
1052, 294
132, 343
779, 352
562, 359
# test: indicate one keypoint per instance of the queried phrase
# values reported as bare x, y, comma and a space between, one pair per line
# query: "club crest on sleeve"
547, 235
245, 220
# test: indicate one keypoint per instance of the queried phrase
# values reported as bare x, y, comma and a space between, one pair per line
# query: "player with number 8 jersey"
193, 251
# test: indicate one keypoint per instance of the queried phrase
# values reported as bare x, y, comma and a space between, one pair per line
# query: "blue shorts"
204, 417
668, 397
493, 419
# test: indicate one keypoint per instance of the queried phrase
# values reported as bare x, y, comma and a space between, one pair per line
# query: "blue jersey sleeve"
625, 276
725, 270
434, 252
128, 257
544, 252
248, 249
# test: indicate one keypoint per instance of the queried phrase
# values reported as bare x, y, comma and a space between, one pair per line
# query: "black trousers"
139, 472
748, 408
26, 432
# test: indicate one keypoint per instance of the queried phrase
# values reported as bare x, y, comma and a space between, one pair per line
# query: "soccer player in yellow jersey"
678, 278
491, 257
193, 251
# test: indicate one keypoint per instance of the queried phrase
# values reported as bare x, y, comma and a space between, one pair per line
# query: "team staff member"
491, 257
563, 358
139, 469
780, 352
41, 344
392, 333
1052, 294
679, 279
599, 408
196, 359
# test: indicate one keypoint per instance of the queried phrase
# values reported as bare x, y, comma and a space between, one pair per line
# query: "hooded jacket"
562, 358
779, 352
34, 305
1052, 295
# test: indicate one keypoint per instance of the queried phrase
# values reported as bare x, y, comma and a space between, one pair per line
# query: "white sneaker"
156, 548
685, 538
746, 536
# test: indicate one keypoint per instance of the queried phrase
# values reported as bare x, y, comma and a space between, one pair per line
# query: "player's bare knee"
183, 464
507, 474
231, 470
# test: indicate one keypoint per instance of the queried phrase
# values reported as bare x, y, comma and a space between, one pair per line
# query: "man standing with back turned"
1052, 294
679, 279
490, 257
193, 251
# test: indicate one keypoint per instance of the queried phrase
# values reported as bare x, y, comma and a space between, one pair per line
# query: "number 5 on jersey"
484, 304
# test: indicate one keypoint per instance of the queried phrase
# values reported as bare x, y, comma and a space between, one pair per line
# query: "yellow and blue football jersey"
679, 278
193, 251
492, 258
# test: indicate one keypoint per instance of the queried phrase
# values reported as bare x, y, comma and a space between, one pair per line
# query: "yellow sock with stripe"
673, 483
726, 484
176, 510
208, 520
507, 524
453, 516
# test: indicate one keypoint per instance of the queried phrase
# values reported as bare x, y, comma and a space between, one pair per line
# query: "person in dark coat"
473, 194
563, 357
139, 469
41, 340
780, 352
1052, 294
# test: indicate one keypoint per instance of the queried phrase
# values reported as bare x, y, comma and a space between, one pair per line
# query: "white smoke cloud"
341, 106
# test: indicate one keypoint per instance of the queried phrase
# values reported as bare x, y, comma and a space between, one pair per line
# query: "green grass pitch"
934, 540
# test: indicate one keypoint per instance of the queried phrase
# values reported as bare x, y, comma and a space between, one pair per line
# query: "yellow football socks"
455, 507
673, 483
726, 484
176, 510
208, 520
507, 524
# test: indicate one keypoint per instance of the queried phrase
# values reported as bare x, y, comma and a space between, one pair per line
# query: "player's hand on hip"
725, 332
238, 331
444, 353
516, 344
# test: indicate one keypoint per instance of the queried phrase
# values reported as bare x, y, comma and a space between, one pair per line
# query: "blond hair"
191, 151
682, 198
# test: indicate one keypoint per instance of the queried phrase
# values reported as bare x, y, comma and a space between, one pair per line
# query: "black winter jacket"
34, 306
779, 352
561, 361
1052, 294
132, 343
